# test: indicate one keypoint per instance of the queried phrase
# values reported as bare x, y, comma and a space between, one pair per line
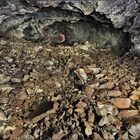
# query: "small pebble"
30, 91
26, 78
2, 116
4, 79
108, 85
99, 76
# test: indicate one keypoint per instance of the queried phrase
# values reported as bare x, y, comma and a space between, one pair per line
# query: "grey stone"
15, 80
2, 116
4, 79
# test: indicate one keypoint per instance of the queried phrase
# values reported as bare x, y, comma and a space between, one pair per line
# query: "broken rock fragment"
93, 70
114, 93
98, 76
97, 136
107, 135
105, 108
108, 85
134, 130
2, 116
95, 85
124, 114
121, 102
16, 133
6, 88
79, 110
81, 105
134, 97
91, 118
88, 129
82, 76
21, 95
107, 120
4, 79
89, 90
136, 92
15, 80
58, 135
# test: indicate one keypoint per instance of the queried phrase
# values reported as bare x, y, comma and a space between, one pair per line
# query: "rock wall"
122, 13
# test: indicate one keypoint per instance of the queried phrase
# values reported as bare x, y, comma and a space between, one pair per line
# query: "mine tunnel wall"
17, 14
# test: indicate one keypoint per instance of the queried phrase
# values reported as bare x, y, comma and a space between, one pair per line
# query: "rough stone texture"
65, 92
123, 13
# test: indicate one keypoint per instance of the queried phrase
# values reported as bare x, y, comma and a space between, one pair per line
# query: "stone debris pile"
66, 92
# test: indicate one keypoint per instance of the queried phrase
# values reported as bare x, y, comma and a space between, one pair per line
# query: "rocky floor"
53, 93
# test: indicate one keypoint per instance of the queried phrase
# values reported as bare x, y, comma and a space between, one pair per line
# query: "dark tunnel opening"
56, 26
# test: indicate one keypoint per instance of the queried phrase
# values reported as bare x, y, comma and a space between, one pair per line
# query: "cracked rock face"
20, 13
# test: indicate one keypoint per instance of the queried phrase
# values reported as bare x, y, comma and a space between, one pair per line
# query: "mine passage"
58, 80
55, 26
101, 35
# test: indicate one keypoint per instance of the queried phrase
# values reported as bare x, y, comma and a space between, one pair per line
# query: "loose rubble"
66, 92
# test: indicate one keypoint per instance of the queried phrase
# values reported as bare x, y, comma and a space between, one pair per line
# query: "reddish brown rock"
134, 97
127, 113
19, 122
81, 105
16, 133
121, 102
79, 110
21, 95
136, 92
89, 90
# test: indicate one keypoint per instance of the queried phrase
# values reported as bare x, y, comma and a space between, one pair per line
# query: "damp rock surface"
66, 92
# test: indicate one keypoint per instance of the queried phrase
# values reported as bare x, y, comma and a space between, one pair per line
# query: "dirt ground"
63, 92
